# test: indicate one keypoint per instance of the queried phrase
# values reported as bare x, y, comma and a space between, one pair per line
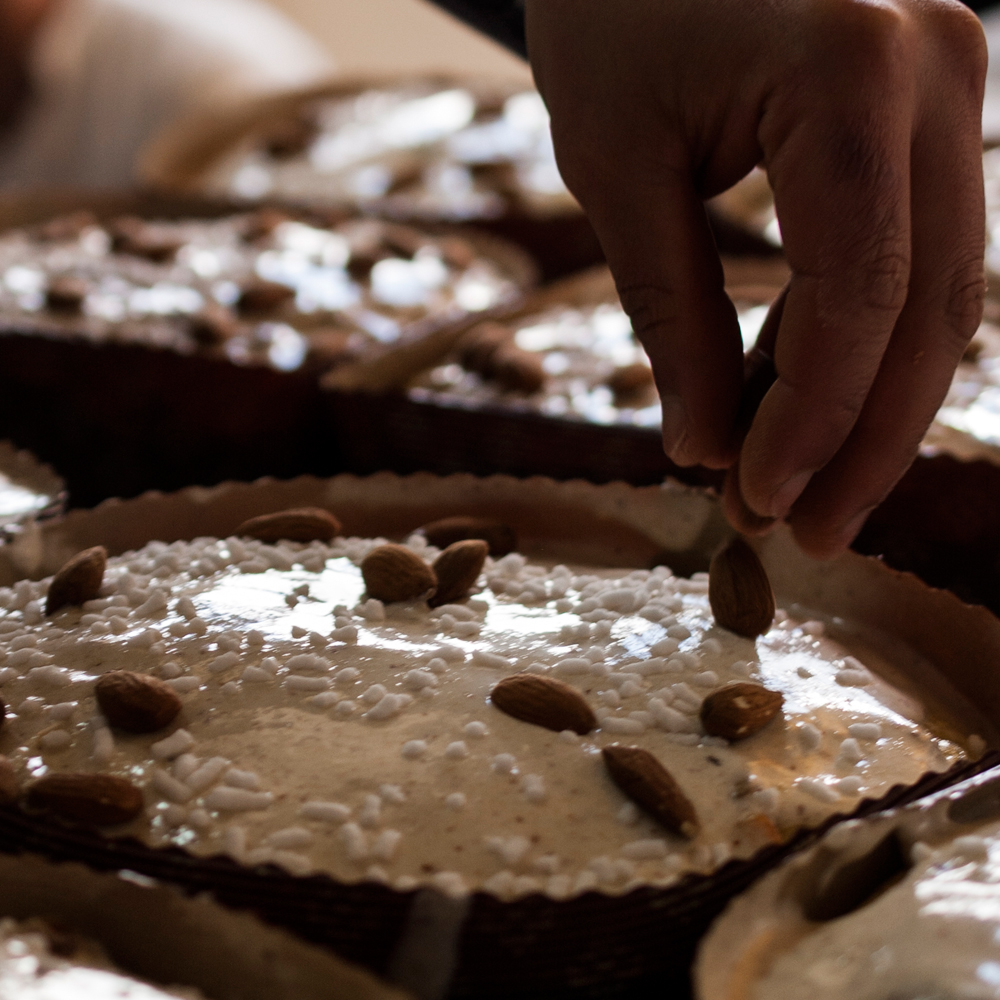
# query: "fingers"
631, 171
838, 160
660, 250
942, 313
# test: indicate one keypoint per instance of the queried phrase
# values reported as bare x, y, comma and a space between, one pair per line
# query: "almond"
500, 537
457, 569
214, 324
100, 799
517, 370
543, 701
79, 579
477, 347
300, 524
132, 235
394, 573
650, 785
629, 381
10, 792
739, 591
291, 136
261, 296
739, 710
136, 703
3, 711
65, 293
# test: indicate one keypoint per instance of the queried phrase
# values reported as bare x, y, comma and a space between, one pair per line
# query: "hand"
866, 116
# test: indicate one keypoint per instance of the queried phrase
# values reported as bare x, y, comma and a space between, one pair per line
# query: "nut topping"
457, 569
543, 701
300, 524
650, 785
739, 710
79, 579
98, 799
739, 590
394, 573
261, 296
136, 703
500, 537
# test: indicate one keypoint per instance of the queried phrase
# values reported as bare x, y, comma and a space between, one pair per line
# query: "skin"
866, 116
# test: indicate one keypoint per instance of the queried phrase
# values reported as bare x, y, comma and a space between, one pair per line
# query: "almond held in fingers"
651, 787
97, 799
300, 524
78, 581
457, 569
739, 591
10, 791
394, 573
543, 701
739, 710
500, 537
137, 703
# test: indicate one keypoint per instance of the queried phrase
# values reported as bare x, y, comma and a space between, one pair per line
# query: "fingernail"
788, 493
674, 428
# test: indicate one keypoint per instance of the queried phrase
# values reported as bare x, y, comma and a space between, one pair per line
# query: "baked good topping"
422, 150
583, 363
459, 746
38, 962
259, 288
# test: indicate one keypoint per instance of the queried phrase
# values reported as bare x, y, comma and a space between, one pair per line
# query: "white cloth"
109, 75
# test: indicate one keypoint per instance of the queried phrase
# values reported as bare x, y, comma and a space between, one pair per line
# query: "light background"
400, 36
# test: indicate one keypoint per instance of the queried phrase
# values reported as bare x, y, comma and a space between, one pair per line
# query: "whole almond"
260, 296
300, 524
500, 537
136, 703
100, 799
739, 710
79, 579
10, 792
135, 236
651, 786
478, 345
65, 293
213, 324
394, 573
457, 569
739, 591
517, 370
543, 701
628, 381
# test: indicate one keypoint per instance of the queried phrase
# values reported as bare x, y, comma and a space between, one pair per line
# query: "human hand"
866, 116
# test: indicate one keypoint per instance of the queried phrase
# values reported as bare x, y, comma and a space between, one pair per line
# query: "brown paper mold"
158, 342
155, 933
595, 944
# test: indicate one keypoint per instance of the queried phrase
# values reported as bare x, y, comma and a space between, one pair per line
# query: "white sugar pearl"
457, 750
456, 801
413, 749
476, 730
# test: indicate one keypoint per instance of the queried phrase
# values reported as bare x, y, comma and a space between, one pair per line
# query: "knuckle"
877, 39
886, 282
959, 31
964, 303
653, 309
